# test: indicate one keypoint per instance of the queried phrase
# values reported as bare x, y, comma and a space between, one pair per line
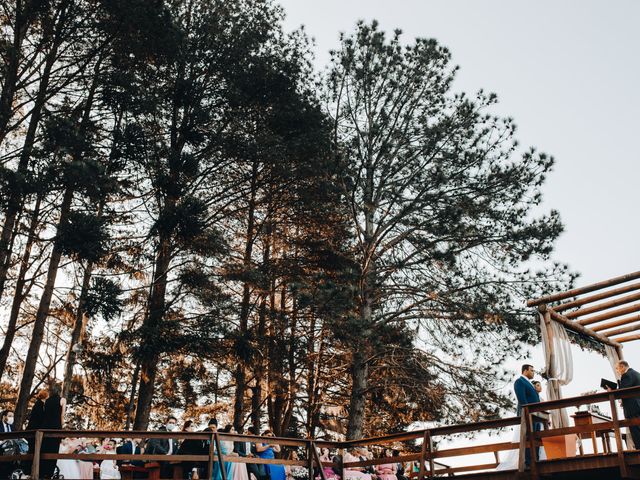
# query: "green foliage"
83, 236
104, 299
442, 204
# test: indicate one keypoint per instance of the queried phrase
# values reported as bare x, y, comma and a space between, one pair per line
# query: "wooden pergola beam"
619, 331
576, 327
629, 338
610, 314
598, 296
617, 323
603, 306
579, 291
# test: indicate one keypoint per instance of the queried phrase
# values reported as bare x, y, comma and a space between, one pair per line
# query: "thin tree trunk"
149, 360
259, 358
41, 317
78, 327
23, 15
240, 374
132, 397
15, 196
357, 403
19, 295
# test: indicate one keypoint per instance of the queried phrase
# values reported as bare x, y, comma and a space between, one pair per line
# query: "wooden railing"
428, 460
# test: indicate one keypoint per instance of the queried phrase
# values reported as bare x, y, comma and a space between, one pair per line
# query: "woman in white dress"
238, 470
69, 468
511, 460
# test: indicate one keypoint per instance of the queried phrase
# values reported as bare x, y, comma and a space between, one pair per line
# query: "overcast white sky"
568, 72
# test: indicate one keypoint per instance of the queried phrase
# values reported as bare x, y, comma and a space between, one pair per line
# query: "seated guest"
191, 446
400, 471
164, 446
7, 421
354, 473
295, 472
108, 468
260, 470
386, 471
330, 473
130, 447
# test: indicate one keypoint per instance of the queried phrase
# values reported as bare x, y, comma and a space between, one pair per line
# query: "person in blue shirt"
527, 394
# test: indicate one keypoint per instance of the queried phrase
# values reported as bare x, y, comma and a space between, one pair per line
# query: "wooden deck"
428, 460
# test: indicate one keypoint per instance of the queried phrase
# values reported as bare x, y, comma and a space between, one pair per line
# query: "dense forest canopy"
194, 220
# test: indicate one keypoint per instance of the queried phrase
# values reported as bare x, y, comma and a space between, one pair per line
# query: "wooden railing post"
223, 470
318, 461
310, 449
533, 449
423, 454
211, 453
432, 465
523, 443
35, 465
616, 430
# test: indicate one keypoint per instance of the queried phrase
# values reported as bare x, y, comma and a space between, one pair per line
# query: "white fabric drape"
558, 365
613, 357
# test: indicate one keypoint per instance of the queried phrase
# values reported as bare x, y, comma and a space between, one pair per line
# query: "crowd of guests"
382, 471
48, 413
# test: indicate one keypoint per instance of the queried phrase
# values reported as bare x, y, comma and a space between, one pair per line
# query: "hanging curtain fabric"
613, 357
558, 365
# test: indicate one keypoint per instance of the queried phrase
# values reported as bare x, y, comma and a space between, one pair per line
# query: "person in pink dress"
354, 473
387, 471
329, 473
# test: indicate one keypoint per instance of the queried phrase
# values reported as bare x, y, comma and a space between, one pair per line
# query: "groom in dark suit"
526, 394
631, 406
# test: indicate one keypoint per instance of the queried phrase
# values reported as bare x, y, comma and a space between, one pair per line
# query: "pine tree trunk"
132, 396
15, 197
359, 362
9, 85
19, 293
240, 374
357, 403
151, 328
41, 317
78, 327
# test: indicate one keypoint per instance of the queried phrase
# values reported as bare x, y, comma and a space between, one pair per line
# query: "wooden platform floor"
586, 467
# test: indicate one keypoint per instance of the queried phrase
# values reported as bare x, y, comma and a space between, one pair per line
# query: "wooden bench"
151, 470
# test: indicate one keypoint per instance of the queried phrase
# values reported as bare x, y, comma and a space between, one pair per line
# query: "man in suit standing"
7, 421
527, 394
630, 406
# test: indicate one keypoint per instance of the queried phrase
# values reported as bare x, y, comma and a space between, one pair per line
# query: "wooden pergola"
607, 311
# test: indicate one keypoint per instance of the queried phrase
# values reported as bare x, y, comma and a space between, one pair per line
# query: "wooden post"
533, 449
523, 443
310, 449
35, 465
425, 439
432, 469
211, 453
318, 461
223, 470
616, 430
